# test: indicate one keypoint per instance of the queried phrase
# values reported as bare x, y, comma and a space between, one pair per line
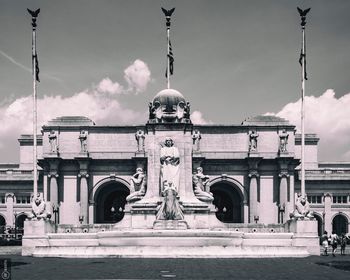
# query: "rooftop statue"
196, 137
283, 141
53, 142
140, 138
83, 141
253, 141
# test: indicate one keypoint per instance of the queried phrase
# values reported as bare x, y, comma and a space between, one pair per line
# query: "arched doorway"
20, 221
340, 224
110, 200
228, 202
319, 224
2, 224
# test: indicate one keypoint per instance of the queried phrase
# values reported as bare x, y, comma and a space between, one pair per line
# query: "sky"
234, 59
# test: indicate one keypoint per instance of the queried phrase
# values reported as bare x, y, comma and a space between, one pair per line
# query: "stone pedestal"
305, 234
35, 234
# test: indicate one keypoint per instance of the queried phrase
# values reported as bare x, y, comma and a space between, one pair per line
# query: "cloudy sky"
233, 59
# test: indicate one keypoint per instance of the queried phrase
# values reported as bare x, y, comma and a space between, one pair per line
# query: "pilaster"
10, 200
53, 174
83, 179
327, 212
284, 205
253, 176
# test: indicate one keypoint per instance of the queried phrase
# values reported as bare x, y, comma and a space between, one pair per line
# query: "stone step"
157, 238
172, 252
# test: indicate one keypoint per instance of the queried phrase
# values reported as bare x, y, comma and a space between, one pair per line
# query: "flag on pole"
36, 68
34, 15
171, 61
303, 55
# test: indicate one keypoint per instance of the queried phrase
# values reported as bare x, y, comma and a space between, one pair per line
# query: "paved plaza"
113, 268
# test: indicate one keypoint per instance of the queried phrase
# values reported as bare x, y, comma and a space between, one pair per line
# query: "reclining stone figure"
39, 210
138, 186
302, 209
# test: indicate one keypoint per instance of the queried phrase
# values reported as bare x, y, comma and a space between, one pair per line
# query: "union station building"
252, 168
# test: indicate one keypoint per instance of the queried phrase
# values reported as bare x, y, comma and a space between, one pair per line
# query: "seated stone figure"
39, 210
199, 183
170, 208
138, 186
302, 209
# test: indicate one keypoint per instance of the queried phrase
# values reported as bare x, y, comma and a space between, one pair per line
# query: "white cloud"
329, 117
101, 108
137, 76
107, 86
99, 104
197, 118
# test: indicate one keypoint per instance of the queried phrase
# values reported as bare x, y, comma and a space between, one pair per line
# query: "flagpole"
303, 78
168, 56
303, 117
34, 72
169, 70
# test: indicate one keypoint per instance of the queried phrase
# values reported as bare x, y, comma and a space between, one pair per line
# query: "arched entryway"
110, 200
319, 224
228, 201
340, 224
20, 220
2, 224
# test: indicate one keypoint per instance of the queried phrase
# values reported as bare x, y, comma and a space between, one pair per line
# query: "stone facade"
86, 176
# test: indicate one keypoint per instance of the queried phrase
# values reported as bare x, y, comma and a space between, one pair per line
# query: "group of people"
333, 240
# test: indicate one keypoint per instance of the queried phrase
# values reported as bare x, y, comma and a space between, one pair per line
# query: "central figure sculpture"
169, 182
170, 160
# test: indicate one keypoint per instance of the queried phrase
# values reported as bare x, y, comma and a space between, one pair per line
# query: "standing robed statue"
170, 208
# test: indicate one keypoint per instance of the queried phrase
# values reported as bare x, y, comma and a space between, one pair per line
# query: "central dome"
169, 97
169, 105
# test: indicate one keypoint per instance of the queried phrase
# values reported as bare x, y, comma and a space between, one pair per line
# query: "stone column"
10, 200
283, 197
253, 162
284, 163
253, 196
328, 212
83, 175
84, 198
53, 189
53, 164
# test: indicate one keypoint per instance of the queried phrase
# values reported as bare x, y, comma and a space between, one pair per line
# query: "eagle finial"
34, 14
168, 13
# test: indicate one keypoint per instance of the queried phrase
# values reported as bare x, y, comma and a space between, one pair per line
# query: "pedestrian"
324, 240
334, 242
343, 240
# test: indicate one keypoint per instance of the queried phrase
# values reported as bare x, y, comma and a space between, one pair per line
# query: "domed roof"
169, 97
169, 106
